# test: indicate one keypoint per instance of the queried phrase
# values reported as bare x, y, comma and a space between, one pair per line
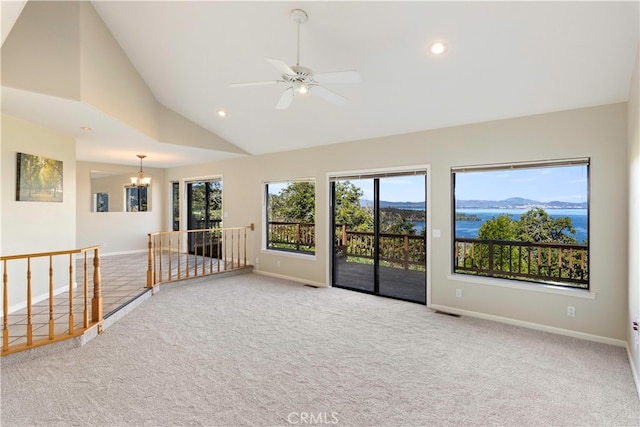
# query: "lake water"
470, 229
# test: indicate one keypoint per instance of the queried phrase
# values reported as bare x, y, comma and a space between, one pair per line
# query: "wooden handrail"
186, 254
26, 341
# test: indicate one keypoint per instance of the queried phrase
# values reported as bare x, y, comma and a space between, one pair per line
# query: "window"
136, 199
290, 215
175, 203
527, 222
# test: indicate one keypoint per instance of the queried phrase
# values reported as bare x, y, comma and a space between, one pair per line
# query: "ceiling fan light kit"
302, 80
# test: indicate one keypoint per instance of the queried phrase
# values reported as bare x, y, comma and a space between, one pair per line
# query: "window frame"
145, 204
563, 287
292, 252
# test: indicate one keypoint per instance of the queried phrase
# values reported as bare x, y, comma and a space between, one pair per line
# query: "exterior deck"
409, 285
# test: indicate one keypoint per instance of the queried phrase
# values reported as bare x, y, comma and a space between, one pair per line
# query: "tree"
501, 227
348, 209
295, 203
52, 175
395, 221
30, 176
536, 225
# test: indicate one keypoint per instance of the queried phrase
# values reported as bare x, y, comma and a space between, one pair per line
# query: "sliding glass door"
379, 234
204, 211
354, 244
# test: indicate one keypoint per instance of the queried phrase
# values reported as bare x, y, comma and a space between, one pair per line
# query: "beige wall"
599, 133
125, 98
118, 232
85, 63
633, 337
46, 36
29, 227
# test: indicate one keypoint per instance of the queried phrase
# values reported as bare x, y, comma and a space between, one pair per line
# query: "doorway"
204, 211
379, 234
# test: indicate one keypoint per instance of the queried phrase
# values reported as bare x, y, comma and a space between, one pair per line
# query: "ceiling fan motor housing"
303, 75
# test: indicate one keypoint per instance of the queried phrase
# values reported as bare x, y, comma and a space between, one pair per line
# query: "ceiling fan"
302, 80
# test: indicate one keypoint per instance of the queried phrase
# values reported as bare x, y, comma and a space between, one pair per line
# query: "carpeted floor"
249, 350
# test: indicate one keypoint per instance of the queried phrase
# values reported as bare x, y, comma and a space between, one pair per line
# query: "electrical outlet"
459, 293
257, 260
571, 311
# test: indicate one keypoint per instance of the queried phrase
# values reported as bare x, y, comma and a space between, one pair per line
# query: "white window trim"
332, 176
515, 283
521, 285
263, 244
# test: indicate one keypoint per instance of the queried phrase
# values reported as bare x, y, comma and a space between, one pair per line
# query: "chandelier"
141, 180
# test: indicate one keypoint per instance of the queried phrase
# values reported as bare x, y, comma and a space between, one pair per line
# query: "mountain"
510, 203
397, 205
517, 203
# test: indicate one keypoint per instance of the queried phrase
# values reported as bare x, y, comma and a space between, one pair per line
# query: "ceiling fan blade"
285, 99
328, 95
273, 82
281, 66
350, 76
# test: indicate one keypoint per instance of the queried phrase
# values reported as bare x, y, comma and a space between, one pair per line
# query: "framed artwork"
38, 179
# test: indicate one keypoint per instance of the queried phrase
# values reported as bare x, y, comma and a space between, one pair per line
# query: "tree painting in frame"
39, 179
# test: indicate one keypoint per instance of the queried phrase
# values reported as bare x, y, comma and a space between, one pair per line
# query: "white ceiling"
505, 59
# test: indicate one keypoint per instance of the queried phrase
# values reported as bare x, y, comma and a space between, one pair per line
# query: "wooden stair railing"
90, 312
187, 254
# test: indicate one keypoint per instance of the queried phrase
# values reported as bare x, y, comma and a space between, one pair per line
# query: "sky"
565, 184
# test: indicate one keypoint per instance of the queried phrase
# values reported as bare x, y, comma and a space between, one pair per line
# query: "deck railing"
563, 264
295, 236
399, 250
33, 269
187, 254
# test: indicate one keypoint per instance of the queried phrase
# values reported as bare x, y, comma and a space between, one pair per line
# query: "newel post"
96, 301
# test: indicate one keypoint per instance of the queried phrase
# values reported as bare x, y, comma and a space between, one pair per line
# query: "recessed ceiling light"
221, 113
85, 128
438, 48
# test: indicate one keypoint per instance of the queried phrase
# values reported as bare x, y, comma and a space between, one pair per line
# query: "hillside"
510, 203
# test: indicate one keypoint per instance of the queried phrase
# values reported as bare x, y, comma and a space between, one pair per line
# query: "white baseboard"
634, 371
293, 279
531, 325
23, 304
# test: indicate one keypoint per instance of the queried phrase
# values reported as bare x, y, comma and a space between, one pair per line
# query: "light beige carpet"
255, 351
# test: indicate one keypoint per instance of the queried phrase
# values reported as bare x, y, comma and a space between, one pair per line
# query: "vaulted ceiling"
504, 59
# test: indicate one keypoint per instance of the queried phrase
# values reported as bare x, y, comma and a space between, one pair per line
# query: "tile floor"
123, 278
